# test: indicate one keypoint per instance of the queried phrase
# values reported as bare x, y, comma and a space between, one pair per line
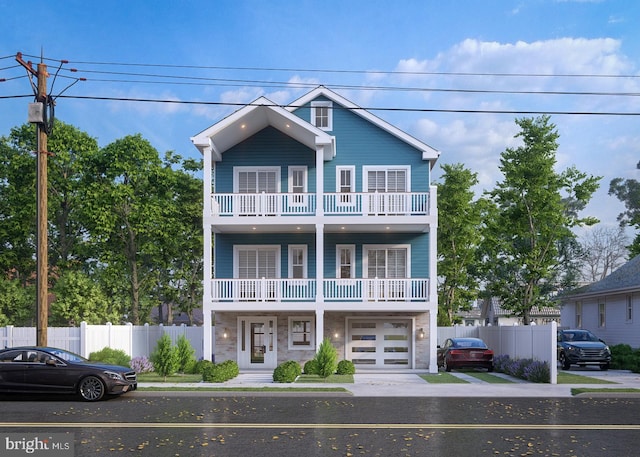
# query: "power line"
415, 110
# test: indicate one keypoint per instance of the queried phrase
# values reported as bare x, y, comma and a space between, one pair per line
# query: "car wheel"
564, 362
446, 365
604, 367
91, 388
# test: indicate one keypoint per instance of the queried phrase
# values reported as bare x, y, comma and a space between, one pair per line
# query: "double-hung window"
322, 115
345, 184
297, 185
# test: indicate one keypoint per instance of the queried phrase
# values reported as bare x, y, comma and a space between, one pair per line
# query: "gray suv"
581, 347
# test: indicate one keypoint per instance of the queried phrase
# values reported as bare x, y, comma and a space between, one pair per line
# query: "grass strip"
488, 377
175, 378
570, 378
242, 389
333, 379
588, 390
442, 378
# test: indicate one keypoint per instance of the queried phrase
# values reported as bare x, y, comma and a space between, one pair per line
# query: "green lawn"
333, 379
155, 377
488, 377
570, 378
442, 378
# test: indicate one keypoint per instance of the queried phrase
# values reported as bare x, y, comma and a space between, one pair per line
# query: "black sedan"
465, 352
51, 370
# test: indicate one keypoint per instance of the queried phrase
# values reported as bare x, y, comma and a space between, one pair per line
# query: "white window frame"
352, 248
322, 104
365, 256
628, 315
344, 198
366, 169
255, 247
312, 333
602, 315
305, 259
579, 314
299, 199
239, 169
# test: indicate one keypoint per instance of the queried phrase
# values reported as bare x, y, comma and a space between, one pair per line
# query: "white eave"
428, 153
254, 117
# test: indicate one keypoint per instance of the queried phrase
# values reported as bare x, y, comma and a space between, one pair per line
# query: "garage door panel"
380, 343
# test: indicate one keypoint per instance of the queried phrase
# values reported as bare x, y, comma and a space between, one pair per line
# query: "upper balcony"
333, 204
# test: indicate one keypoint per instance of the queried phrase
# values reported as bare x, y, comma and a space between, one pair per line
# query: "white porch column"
319, 327
320, 181
433, 285
207, 256
320, 265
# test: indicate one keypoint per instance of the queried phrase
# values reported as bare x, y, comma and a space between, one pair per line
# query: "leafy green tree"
78, 298
126, 203
17, 303
628, 192
459, 220
528, 242
165, 357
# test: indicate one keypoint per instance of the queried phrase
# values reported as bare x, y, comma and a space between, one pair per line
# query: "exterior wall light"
225, 334
421, 333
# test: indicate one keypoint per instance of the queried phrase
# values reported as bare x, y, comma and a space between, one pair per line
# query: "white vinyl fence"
135, 340
537, 342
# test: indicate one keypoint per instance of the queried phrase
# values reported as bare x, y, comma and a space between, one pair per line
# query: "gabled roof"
624, 279
493, 306
254, 117
428, 153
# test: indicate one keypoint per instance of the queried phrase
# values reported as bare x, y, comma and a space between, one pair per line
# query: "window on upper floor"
629, 310
297, 261
386, 261
602, 317
298, 184
322, 115
345, 261
345, 183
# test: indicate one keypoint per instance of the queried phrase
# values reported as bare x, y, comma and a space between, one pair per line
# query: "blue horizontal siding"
269, 147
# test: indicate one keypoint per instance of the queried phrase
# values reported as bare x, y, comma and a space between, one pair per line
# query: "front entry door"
257, 342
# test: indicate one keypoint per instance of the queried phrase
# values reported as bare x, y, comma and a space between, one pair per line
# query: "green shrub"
219, 372
346, 367
326, 359
287, 371
311, 367
165, 357
186, 354
111, 357
623, 357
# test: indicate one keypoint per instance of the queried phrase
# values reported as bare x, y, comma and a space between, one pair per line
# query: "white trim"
386, 168
238, 169
365, 256
305, 257
256, 247
312, 333
297, 199
322, 104
352, 248
352, 170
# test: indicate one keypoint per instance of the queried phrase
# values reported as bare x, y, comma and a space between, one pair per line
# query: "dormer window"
322, 115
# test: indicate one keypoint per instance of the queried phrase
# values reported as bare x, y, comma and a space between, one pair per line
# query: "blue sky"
278, 49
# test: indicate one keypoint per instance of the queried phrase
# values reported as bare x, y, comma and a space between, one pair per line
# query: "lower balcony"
334, 290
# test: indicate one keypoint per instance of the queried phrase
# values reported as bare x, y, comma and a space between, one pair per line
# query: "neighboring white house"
319, 222
492, 313
609, 308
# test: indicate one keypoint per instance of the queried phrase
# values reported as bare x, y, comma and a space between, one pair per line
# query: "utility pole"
37, 115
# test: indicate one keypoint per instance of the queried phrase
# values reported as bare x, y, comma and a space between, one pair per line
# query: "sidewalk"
412, 385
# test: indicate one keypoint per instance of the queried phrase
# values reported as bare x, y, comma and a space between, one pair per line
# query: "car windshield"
581, 335
66, 355
469, 343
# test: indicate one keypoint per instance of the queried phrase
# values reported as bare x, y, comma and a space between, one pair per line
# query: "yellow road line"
154, 425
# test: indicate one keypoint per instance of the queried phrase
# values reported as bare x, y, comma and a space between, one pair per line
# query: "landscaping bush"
219, 372
111, 357
141, 365
165, 357
528, 369
326, 359
346, 367
624, 357
186, 355
287, 371
311, 367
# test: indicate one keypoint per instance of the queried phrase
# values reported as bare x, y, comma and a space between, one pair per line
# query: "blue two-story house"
319, 222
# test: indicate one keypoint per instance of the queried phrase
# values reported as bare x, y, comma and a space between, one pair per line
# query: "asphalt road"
198, 424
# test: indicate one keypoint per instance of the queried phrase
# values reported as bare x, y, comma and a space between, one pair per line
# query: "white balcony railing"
350, 204
264, 289
263, 204
377, 204
286, 289
376, 289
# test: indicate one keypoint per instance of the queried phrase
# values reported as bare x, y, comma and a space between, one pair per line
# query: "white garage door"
377, 344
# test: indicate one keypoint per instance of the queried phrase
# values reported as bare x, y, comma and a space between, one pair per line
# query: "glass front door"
257, 342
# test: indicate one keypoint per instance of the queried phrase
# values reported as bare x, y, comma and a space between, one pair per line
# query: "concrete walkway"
412, 385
